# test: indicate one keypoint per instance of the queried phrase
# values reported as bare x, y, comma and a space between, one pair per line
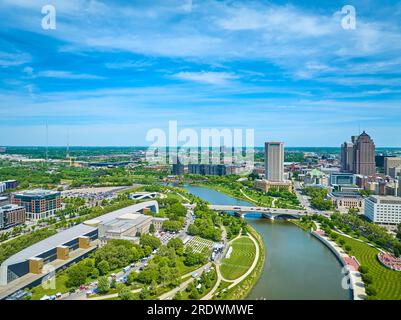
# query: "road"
169, 295
81, 295
238, 280
302, 198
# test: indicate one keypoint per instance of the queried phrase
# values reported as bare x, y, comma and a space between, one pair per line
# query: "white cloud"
67, 75
8, 59
287, 36
215, 78
130, 64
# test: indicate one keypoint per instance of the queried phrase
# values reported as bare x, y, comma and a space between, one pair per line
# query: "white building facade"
383, 209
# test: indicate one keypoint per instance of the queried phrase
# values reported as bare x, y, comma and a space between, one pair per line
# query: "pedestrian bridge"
269, 213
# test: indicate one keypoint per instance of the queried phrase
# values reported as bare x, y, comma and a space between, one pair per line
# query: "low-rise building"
394, 172
63, 245
178, 169
315, 176
265, 185
3, 187
11, 215
384, 210
158, 222
144, 195
342, 179
39, 203
8, 184
344, 201
4, 200
391, 162
208, 169
129, 226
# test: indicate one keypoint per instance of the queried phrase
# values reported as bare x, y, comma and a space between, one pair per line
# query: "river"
297, 265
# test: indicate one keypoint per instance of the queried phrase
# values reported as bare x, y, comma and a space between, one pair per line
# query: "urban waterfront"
297, 265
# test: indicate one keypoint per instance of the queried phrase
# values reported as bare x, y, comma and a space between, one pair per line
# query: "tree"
77, 275
148, 275
194, 258
399, 231
103, 267
113, 283
144, 294
178, 296
172, 225
149, 240
367, 278
152, 228
177, 209
103, 285
194, 294
363, 269
95, 273
370, 291
177, 245
124, 293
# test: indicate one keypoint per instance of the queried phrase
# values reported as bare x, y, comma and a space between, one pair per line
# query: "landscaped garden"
383, 283
240, 258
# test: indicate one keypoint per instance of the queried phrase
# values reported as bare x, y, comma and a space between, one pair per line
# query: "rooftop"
340, 194
10, 207
71, 233
35, 193
385, 199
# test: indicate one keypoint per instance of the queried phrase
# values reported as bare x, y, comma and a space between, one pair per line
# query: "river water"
297, 265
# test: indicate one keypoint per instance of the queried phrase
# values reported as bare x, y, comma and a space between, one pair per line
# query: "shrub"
363, 269
370, 291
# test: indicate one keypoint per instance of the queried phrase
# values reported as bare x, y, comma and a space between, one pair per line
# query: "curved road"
238, 280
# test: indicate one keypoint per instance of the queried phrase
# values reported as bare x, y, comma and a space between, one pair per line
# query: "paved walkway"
241, 278
248, 197
169, 295
355, 277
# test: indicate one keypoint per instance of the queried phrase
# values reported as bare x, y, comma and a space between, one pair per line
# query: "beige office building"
274, 161
391, 162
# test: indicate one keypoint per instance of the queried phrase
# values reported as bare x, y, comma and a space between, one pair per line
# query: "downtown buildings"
274, 169
11, 215
384, 210
274, 161
39, 203
7, 185
358, 156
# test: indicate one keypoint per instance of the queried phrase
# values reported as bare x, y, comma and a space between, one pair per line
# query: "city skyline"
112, 71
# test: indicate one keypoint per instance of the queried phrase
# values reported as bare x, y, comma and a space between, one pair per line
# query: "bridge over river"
269, 213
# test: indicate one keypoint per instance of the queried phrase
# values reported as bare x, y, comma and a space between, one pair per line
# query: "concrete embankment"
356, 284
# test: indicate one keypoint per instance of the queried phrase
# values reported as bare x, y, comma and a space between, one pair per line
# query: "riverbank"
289, 269
355, 284
240, 289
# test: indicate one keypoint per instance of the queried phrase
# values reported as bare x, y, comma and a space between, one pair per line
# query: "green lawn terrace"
238, 259
386, 283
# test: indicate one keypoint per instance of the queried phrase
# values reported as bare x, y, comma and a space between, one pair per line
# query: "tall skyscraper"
347, 157
274, 161
364, 155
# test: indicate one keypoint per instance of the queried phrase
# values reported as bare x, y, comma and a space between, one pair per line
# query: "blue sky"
112, 70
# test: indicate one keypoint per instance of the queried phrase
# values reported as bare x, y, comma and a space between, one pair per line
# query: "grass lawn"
386, 282
38, 292
240, 260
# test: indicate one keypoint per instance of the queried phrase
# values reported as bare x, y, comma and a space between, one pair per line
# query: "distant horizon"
110, 72
143, 146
